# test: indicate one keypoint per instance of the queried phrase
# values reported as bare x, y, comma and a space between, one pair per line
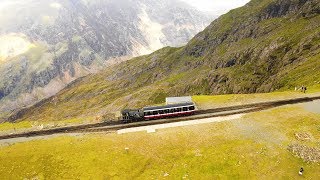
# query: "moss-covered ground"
254, 147
23, 126
208, 102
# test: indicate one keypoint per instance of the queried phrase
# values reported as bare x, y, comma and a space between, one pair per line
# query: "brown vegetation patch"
303, 136
308, 154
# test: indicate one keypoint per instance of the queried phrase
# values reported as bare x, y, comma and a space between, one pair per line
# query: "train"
158, 112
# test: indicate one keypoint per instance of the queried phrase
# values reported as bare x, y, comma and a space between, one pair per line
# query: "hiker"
301, 171
303, 89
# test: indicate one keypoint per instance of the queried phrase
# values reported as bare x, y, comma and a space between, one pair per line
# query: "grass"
206, 101
33, 125
289, 120
275, 54
11, 126
252, 147
307, 73
76, 115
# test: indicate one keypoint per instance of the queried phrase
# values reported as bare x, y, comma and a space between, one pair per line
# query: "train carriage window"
185, 109
191, 108
179, 109
161, 112
166, 111
155, 112
171, 110
149, 113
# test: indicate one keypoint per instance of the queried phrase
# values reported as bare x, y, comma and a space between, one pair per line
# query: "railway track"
114, 126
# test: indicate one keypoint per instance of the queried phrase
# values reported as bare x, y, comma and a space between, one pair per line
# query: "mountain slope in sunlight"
262, 47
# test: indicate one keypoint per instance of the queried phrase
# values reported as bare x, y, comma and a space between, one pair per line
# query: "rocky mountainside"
44, 45
266, 45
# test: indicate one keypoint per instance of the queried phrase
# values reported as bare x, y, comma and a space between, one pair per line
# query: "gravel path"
8, 142
313, 106
153, 128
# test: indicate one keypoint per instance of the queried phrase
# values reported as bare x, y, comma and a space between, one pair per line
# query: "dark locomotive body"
157, 112
131, 115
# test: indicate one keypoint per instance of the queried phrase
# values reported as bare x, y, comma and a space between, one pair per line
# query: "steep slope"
44, 45
261, 47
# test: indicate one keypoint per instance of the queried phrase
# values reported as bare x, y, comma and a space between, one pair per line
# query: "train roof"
168, 106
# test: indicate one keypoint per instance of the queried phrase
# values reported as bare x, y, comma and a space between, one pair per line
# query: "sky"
217, 7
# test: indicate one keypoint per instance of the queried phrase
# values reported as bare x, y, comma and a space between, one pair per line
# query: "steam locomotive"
157, 112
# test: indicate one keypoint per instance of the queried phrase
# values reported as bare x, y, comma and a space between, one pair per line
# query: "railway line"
109, 126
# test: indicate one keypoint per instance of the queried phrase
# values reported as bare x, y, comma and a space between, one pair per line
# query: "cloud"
56, 5
12, 45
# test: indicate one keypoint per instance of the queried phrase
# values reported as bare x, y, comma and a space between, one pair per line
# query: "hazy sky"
216, 7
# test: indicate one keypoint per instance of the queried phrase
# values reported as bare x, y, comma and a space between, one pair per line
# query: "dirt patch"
258, 131
312, 106
8, 142
303, 136
308, 154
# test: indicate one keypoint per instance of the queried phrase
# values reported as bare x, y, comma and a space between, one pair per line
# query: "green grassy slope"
253, 147
262, 47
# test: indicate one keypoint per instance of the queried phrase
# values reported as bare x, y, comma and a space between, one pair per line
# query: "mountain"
264, 46
45, 45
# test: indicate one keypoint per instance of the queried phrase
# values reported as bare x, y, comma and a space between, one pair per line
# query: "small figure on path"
303, 89
301, 171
